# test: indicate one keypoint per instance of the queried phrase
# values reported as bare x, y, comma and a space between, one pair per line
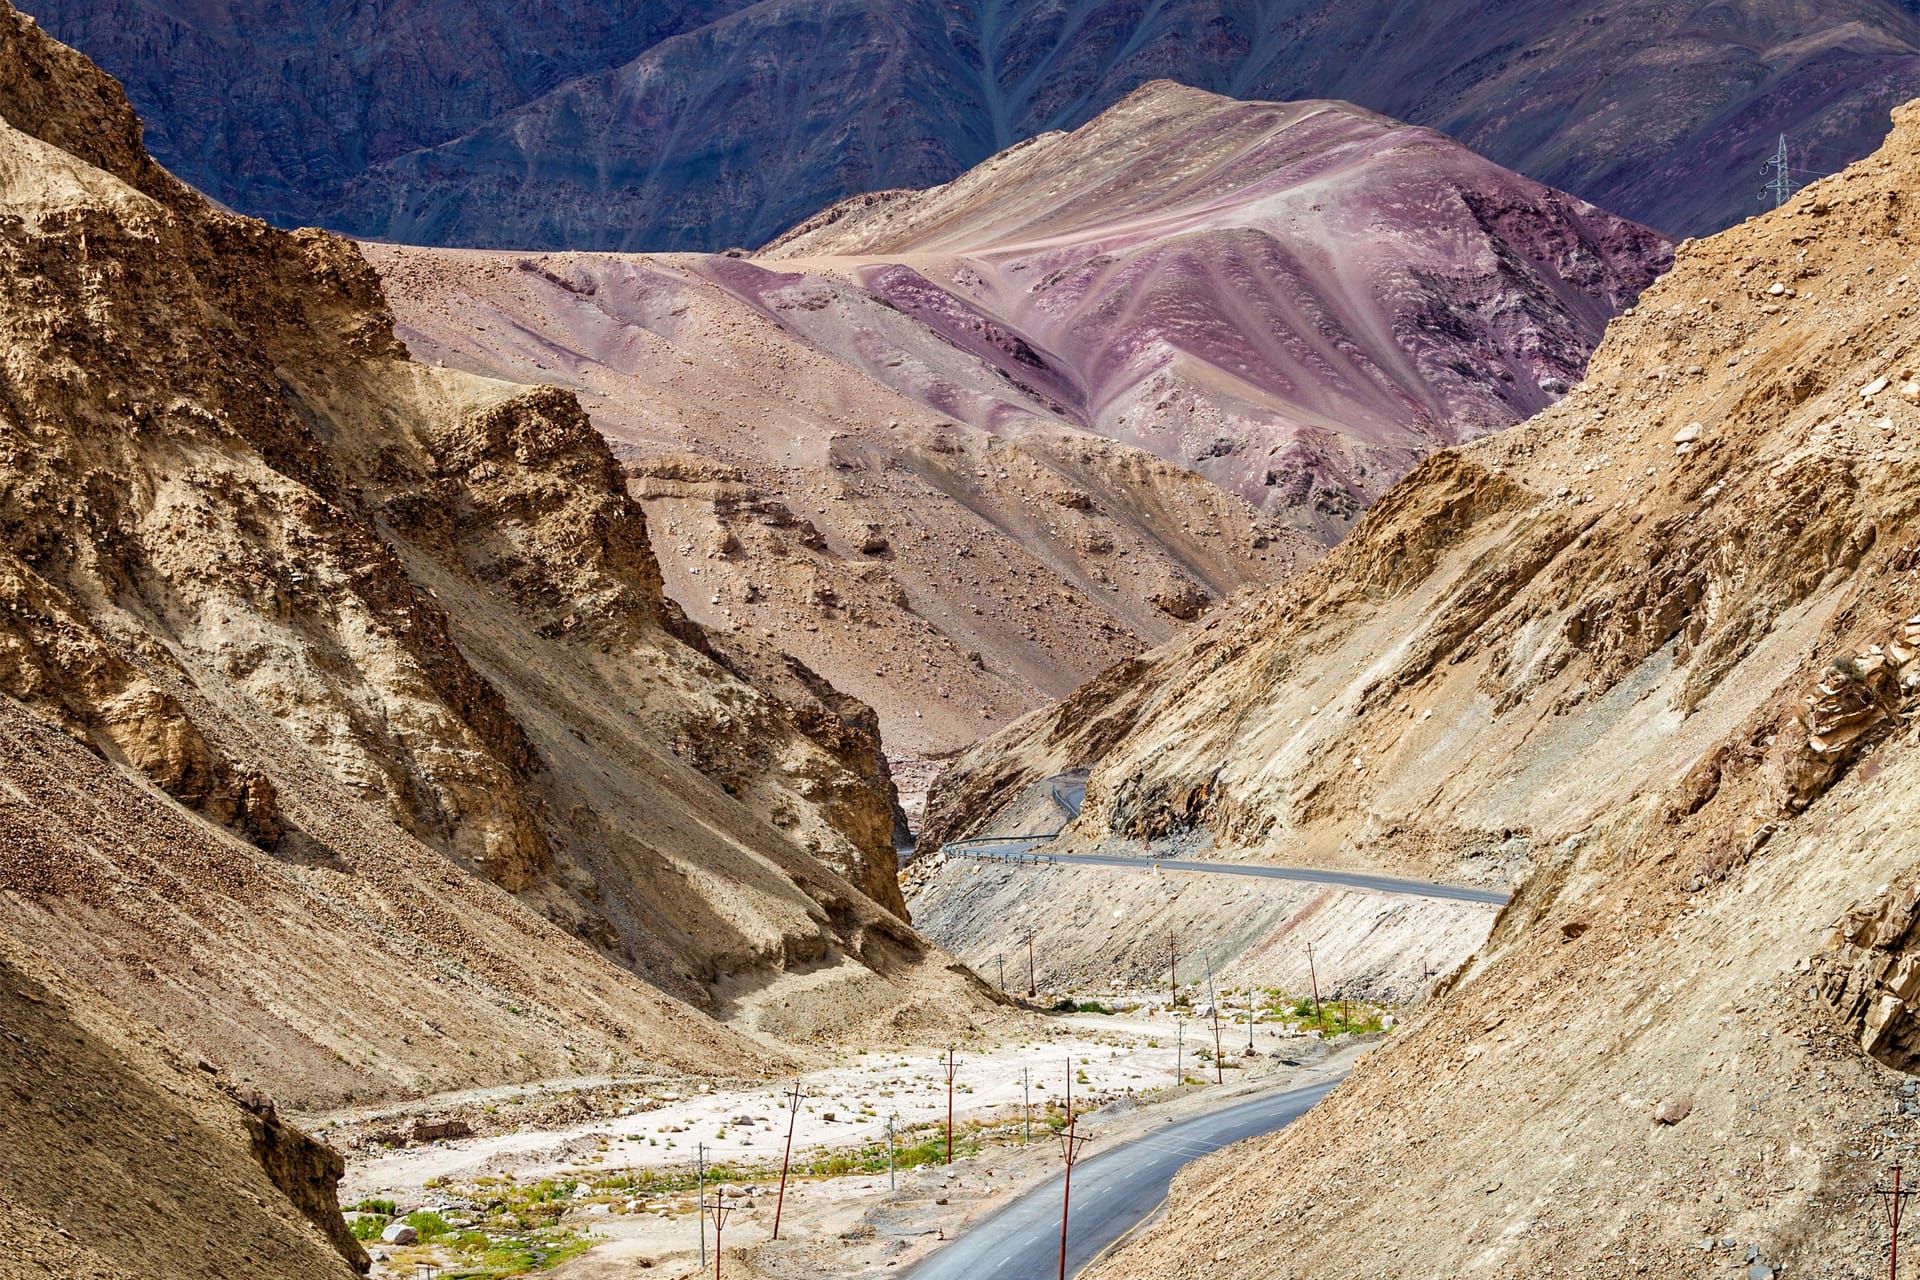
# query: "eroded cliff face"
349, 610
1658, 638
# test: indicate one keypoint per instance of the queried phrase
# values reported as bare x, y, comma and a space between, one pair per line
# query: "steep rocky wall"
1665, 642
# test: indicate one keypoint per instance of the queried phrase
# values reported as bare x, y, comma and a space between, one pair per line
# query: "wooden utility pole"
700, 1196
793, 1115
720, 1211
1173, 966
951, 1067
1001, 963
1213, 1000
1070, 1143
1890, 1198
1315, 979
1033, 989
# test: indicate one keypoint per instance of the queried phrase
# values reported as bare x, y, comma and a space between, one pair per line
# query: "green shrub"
429, 1224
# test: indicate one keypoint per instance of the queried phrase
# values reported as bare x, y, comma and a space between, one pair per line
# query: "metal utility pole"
1250, 1021
890, 1119
1001, 963
1314, 978
700, 1197
1780, 186
951, 1067
1026, 1104
1179, 1045
720, 1211
1213, 1000
1890, 1198
793, 1116
1070, 1143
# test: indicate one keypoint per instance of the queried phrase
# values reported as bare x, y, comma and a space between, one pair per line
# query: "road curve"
1113, 1192
1016, 846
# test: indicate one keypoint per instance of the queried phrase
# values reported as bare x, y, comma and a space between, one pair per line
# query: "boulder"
399, 1233
1672, 1110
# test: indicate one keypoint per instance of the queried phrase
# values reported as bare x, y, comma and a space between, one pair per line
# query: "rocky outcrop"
1869, 974
702, 124
401, 631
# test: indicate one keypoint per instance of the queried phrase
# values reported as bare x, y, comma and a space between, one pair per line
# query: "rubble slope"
363, 674
1661, 636
126, 1161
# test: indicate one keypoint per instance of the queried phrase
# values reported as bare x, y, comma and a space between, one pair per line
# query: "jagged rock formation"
930, 415
706, 123
1657, 635
318, 661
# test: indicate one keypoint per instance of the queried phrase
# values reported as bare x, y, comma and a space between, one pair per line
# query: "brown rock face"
401, 631
1660, 637
124, 1160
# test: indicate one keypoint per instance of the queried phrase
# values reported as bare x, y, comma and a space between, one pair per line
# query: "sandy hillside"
125, 1160
962, 449
349, 735
1661, 635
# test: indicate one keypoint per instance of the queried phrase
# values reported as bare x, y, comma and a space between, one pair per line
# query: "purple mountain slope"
1298, 301
697, 124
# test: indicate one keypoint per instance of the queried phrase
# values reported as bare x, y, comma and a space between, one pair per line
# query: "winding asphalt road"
1017, 846
1070, 792
1113, 1191
1116, 1190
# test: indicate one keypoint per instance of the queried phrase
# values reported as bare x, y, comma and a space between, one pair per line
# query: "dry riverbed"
592, 1178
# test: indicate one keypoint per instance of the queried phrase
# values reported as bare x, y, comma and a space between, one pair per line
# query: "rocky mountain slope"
944, 444
127, 1161
1662, 637
348, 733
700, 124
1296, 300
818, 468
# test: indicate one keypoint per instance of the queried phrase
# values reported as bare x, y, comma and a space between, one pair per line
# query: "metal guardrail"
1011, 858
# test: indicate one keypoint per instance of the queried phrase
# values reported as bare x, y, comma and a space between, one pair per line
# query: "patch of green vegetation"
386, 1208
430, 1225
1296, 1013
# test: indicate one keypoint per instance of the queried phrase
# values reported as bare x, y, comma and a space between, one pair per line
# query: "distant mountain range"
915, 440
699, 124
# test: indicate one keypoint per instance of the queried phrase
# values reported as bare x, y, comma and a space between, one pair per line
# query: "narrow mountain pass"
1113, 1192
